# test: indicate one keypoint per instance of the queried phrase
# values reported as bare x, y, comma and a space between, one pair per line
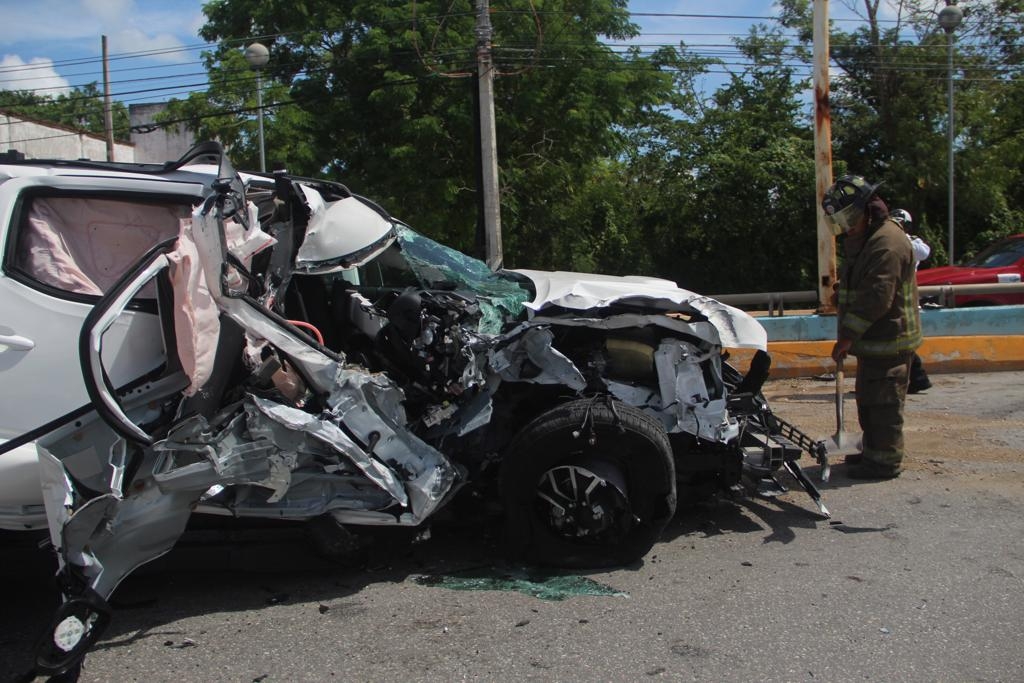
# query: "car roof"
199, 165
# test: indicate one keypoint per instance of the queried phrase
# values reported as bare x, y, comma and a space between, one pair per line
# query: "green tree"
889, 113
385, 90
228, 112
735, 211
82, 109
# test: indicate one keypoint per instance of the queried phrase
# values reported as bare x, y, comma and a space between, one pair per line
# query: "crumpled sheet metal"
583, 291
680, 401
476, 413
57, 495
631, 321
108, 538
276, 460
530, 349
684, 392
195, 457
427, 474
370, 405
310, 493
332, 435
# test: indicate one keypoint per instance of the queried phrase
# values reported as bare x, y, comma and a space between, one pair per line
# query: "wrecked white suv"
179, 339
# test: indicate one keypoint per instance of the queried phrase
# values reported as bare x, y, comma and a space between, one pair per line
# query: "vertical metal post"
259, 117
488, 136
108, 114
950, 17
258, 55
950, 134
823, 158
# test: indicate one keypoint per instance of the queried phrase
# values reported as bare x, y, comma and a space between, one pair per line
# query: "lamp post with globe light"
949, 18
258, 55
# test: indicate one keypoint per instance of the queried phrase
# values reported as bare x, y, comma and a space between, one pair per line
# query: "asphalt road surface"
917, 579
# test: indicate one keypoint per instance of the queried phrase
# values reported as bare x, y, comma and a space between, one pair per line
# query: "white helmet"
902, 218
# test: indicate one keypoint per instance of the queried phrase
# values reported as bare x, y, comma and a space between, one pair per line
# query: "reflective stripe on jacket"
877, 294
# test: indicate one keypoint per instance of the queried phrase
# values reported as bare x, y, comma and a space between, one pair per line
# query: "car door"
65, 241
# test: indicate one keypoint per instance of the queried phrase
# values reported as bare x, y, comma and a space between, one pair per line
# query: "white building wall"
37, 140
161, 144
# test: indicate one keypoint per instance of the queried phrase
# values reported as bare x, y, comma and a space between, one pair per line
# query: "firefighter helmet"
846, 202
903, 219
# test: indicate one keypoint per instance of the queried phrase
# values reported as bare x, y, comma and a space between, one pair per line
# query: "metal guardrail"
946, 292
776, 302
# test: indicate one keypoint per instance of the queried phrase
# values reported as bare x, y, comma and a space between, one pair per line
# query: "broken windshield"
418, 260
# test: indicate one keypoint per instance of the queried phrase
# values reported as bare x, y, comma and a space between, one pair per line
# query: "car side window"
81, 244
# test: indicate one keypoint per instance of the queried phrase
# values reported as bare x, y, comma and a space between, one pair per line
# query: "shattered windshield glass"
435, 266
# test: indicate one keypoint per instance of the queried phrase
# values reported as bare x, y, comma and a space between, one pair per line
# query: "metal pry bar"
809, 486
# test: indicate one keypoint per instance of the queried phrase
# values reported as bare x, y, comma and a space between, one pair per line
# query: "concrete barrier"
987, 338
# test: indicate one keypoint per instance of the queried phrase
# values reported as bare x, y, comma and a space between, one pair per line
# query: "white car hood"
582, 291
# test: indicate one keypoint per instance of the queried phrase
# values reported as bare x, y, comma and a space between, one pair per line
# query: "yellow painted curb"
939, 354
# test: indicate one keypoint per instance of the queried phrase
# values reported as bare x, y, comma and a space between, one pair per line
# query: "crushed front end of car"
323, 361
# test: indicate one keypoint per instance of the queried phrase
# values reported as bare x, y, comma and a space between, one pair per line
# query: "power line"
189, 119
724, 56
328, 29
616, 45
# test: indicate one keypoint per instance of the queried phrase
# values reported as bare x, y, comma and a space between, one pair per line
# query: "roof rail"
211, 149
208, 148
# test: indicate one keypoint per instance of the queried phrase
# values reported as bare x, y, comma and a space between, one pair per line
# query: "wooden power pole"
488, 141
823, 158
108, 114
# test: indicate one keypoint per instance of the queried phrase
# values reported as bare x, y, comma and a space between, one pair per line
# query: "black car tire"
333, 541
625, 455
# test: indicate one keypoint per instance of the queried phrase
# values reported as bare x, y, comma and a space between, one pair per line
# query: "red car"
1003, 261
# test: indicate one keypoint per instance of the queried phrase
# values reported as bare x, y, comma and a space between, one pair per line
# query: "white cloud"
37, 75
110, 11
164, 46
65, 26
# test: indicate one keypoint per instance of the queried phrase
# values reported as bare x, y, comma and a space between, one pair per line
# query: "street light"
949, 18
258, 55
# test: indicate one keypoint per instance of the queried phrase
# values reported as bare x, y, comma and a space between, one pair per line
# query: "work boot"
853, 458
918, 386
865, 469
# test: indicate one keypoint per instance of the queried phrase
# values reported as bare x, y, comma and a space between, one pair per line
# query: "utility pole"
108, 115
488, 135
258, 55
950, 18
823, 158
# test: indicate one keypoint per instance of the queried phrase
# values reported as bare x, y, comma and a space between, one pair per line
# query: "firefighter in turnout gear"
878, 318
918, 375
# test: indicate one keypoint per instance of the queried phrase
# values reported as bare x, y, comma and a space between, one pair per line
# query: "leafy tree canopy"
890, 113
381, 93
615, 161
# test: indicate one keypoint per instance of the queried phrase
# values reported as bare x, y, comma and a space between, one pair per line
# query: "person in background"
918, 376
878, 319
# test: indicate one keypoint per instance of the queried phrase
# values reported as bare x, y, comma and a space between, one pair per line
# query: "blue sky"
40, 41
51, 45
